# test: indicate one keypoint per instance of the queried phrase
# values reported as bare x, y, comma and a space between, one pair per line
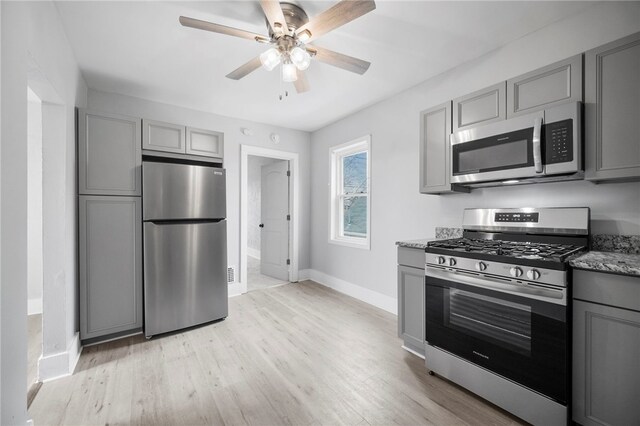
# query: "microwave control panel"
559, 142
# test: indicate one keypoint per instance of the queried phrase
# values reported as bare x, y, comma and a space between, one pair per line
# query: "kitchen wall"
254, 194
34, 203
290, 141
35, 52
399, 211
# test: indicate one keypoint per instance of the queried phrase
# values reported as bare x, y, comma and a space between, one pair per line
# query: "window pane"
354, 173
354, 214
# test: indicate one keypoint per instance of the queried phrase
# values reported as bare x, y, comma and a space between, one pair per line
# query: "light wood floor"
297, 354
257, 280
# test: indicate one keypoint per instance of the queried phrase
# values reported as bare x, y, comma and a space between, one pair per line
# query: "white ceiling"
140, 49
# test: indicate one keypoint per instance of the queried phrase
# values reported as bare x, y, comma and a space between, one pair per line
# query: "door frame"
294, 208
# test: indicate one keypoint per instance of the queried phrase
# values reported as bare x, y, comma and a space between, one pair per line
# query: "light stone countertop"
602, 261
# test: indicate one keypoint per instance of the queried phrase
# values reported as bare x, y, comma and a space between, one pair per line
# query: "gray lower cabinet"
479, 108
166, 137
109, 155
205, 142
110, 265
555, 84
411, 298
435, 130
606, 349
612, 110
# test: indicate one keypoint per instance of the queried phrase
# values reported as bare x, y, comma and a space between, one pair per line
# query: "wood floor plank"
298, 354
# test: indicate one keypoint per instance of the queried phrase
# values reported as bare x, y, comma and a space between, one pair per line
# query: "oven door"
520, 337
499, 151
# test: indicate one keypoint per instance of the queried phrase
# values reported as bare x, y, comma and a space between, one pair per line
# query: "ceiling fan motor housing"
295, 17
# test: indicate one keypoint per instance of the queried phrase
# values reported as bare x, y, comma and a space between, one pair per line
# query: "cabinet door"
606, 369
205, 142
435, 129
158, 136
110, 257
612, 110
479, 108
109, 156
545, 87
411, 315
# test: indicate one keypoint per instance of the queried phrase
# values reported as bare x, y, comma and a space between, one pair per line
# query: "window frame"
336, 192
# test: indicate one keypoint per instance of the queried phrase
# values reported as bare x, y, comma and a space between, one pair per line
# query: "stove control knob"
533, 274
515, 272
452, 261
481, 266
441, 260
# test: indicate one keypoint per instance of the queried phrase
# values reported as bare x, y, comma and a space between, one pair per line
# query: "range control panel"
517, 217
559, 142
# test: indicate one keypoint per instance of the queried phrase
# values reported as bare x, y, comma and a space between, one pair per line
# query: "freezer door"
185, 274
182, 191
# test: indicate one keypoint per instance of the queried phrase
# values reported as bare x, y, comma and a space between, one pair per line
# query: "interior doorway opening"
34, 240
274, 253
268, 256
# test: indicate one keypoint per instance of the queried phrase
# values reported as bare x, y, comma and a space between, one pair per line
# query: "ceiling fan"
290, 32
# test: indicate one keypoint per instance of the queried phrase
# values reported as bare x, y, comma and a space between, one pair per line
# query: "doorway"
34, 238
268, 215
268, 223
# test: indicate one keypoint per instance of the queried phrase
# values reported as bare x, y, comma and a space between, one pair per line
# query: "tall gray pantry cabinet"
109, 224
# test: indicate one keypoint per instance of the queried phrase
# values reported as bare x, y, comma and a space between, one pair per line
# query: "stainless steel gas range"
497, 319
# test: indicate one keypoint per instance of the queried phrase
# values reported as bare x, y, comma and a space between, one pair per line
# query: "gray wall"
400, 212
290, 140
35, 50
254, 192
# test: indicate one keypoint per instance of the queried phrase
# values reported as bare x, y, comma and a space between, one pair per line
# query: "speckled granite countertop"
603, 261
441, 234
417, 244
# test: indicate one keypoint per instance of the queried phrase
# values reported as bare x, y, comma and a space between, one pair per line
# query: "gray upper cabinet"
606, 349
205, 142
166, 137
545, 87
612, 110
109, 156
411, 298
435, 130
110, 265
478, 108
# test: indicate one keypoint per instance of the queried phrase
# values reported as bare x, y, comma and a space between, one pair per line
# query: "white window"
351, 194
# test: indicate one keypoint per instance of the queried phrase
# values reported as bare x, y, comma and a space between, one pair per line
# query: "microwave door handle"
537, 149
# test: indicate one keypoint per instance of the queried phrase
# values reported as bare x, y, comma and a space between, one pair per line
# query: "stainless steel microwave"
543, 144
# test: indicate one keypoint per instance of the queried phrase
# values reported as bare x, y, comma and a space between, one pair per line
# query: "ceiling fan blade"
302, 83
246, 69
273, 12
222, 29
339, 60
336, 16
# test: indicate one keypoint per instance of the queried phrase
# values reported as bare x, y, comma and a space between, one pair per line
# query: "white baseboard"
371, 297
34, 306
304, 274
255, 253
62, 364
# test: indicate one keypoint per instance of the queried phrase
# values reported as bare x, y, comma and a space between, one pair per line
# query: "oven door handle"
537, 148
528, 290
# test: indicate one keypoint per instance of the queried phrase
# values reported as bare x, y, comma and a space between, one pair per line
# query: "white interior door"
274, 239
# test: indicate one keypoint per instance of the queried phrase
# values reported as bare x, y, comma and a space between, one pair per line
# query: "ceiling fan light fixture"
300, 58
270, 59
289, 72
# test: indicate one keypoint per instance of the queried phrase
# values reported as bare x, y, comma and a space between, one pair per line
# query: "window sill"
365, 245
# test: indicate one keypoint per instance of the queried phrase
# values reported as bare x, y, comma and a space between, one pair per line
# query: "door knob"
261, 225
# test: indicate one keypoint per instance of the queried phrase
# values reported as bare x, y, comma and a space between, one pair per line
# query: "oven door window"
507, 151
504, 323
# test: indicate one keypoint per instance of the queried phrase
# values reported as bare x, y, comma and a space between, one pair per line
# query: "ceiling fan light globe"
289, 73
300, 58
270, 59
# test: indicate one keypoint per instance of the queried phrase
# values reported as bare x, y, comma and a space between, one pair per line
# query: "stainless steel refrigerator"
185, 245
